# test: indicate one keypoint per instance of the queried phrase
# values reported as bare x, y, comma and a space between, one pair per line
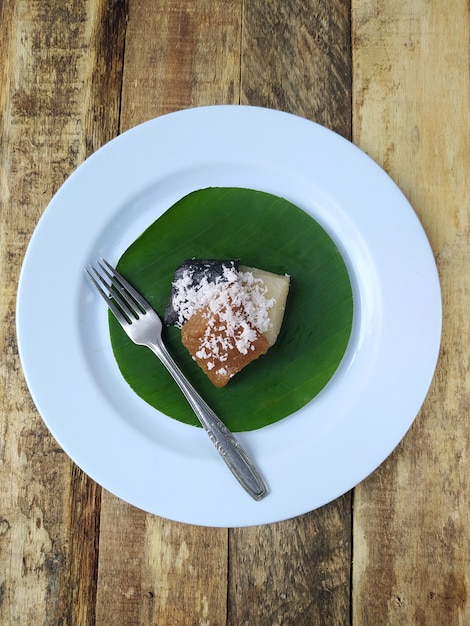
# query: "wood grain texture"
154, 571
411, 112
53, 84
296, 57
180, 54
293, 573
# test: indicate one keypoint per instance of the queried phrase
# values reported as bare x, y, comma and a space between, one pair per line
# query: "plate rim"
235, 509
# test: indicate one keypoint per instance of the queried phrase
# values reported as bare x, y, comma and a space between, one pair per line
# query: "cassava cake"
229, 314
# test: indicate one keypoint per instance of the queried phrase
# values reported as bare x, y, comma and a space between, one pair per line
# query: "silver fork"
144, 327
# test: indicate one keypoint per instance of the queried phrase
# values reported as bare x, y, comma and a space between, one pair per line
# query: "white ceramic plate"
310, 457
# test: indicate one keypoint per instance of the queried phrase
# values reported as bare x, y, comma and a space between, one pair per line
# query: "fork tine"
119, 281
118, 291
116, 295
122, 319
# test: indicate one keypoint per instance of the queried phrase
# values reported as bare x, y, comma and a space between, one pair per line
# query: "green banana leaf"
262, 231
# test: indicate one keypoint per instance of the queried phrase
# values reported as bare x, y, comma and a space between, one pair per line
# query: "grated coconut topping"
234, 304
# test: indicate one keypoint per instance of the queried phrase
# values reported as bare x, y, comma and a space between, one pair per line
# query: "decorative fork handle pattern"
226, 444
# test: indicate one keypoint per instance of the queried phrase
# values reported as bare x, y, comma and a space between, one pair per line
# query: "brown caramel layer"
219, 353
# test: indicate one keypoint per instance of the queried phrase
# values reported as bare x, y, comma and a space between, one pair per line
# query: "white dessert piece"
277, 288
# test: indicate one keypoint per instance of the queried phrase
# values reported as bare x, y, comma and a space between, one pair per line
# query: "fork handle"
239, 463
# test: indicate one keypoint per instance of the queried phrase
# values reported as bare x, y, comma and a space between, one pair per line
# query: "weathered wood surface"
411, 114
391, 74
59, 101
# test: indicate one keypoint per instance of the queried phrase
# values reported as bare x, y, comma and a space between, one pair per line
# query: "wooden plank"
294, 572
163, 573
50, 511
298, 571
178, 54
296, 57
411, 104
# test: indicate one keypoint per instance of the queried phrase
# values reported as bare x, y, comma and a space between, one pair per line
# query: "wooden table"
393, 76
